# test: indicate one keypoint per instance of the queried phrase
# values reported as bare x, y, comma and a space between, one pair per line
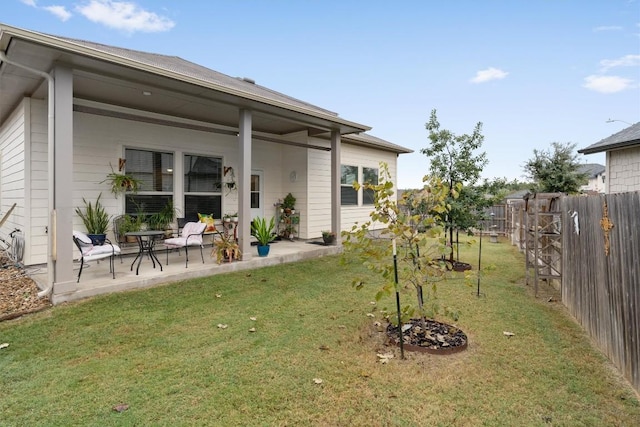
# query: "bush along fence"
601, 274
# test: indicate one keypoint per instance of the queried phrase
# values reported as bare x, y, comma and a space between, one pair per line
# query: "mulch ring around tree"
453, 265
460, 266
431, 337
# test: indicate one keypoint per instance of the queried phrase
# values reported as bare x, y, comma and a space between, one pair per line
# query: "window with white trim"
369, 176
202, 186
348, 194
155, 171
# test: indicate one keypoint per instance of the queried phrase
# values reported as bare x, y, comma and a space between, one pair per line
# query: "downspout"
50, 142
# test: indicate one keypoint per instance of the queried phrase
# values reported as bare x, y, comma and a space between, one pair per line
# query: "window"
155, 170
255, 191
348, 196
369, 176
202, 186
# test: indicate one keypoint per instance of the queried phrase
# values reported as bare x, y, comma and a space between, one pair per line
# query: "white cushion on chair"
82, 237
107, 249
90, 252
191, 236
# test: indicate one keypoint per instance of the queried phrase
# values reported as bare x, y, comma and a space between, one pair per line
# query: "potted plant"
95, 219
264, 233
226, 248
289, 203
122, 182
163, 219
328, 237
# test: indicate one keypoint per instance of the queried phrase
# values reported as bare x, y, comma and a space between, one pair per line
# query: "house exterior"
622, 159
596, 177
72, 111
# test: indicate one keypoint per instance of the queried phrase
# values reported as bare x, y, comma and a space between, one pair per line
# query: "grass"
161, 352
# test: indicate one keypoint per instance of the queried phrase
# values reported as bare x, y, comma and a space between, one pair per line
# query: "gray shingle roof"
592, 170
627, 137
186, 68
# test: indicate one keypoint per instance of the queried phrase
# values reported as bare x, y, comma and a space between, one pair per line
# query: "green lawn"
161, 352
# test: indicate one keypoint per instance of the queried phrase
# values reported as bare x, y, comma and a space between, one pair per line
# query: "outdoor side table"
146, 242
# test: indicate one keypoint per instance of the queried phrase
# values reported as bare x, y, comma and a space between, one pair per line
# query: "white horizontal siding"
320, 185
38, 186
12, 175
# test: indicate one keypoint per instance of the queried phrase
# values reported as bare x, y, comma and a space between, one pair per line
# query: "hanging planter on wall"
229, 179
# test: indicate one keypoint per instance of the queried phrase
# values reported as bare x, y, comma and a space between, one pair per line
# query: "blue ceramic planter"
263, 250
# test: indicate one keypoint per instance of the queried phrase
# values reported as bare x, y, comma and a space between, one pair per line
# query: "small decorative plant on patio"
264, 233
407, 252
328, 237
163, 219
225, 248
95, 219
289, 203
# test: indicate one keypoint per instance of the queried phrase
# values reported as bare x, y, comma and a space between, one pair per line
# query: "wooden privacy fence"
601, 274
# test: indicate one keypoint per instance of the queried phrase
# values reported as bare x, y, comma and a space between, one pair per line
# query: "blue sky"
533, 72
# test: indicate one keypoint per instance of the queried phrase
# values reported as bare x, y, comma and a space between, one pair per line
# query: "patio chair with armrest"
90, 252
190, 235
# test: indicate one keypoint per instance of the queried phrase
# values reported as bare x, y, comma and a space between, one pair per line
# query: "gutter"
50, 142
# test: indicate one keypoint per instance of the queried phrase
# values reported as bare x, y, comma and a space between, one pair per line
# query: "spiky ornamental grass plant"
419, 237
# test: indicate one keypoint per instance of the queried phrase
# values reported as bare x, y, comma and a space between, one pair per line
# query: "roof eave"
610, 147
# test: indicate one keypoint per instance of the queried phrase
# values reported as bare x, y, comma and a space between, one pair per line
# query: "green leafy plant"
122, 182
161, 220
328, 237
289, 202
418, 236
262, 231
94, 217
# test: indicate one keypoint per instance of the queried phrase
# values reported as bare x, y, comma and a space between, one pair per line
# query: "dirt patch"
18, 293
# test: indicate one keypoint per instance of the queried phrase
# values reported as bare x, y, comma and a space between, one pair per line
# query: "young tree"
417, 236
556, 170
453, 159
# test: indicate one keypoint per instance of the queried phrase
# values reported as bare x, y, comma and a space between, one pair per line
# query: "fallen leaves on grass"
121, 407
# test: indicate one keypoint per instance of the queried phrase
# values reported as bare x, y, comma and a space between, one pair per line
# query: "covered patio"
97, 280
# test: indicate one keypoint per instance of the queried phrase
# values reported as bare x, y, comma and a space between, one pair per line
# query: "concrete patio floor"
97, 280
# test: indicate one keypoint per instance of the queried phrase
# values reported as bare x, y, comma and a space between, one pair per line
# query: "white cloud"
31, 3
59, 11
608, 28
489, 74
123, 15
625, 61
607, 84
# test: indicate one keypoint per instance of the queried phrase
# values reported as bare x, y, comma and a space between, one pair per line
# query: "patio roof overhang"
109, 78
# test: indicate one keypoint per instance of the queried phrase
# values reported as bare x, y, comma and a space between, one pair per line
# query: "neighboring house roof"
592, 170
517, 194
278, 113
627, 137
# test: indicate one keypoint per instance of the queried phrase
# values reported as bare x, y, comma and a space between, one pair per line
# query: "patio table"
146, 242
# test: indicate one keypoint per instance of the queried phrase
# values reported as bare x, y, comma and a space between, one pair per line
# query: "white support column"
335, 185
61, 185
244, 183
